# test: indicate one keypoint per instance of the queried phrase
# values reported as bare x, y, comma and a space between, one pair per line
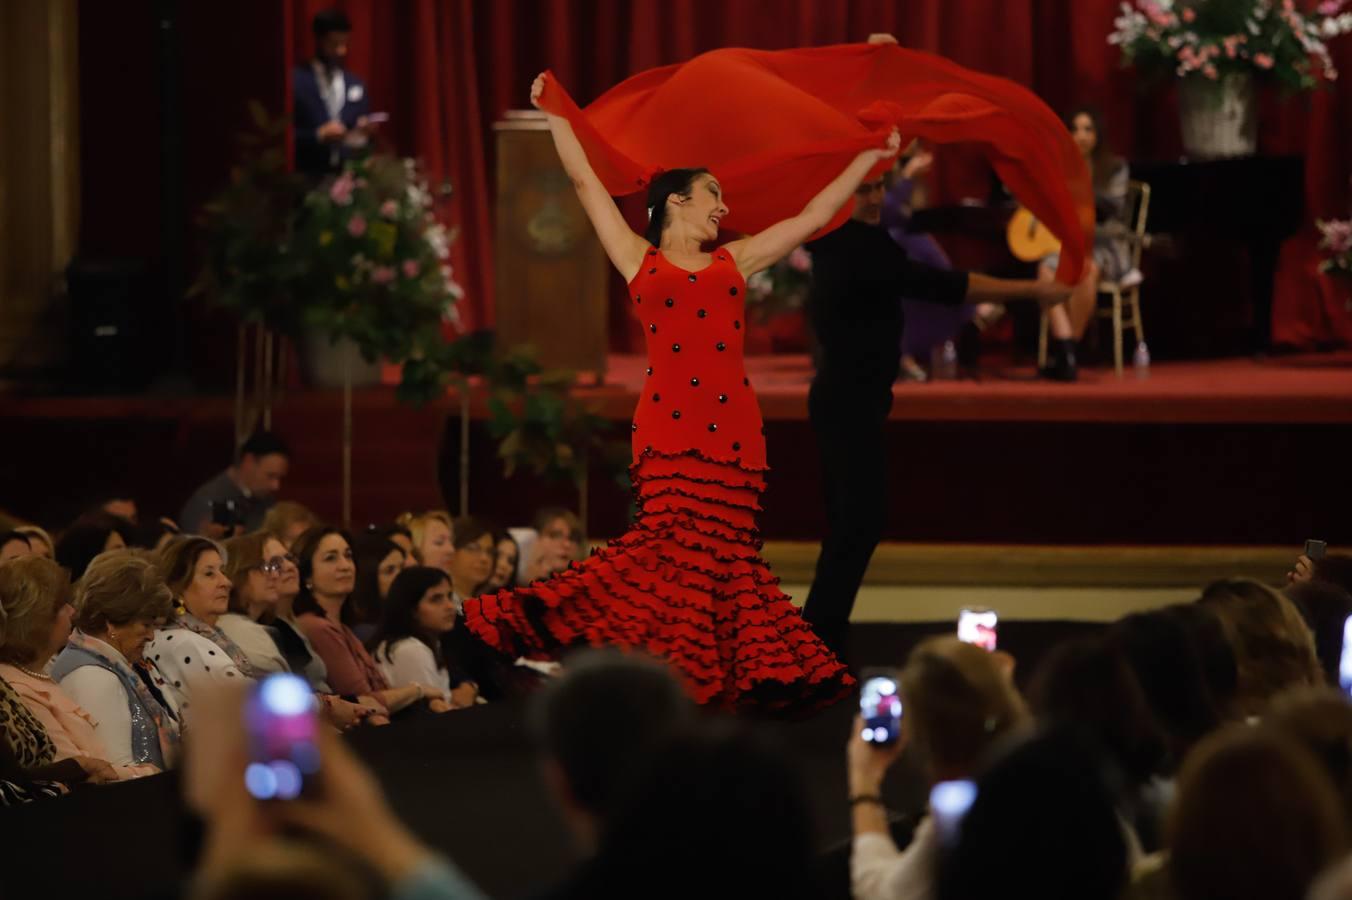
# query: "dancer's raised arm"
774, 243
622, 245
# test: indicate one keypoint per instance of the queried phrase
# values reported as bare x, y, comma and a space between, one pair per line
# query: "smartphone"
880, 707
281, 724
1316, 549
224, 512
1345, 659
978, 626
949, 802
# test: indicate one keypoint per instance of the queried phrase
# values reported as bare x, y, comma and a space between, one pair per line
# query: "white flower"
438, 240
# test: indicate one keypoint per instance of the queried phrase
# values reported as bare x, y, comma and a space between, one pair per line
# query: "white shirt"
184, 656
255, 641
101, 694
411, 661
879, 871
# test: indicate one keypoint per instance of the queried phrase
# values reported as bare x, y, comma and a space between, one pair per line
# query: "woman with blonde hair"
1273, 646
288, 520
959, 702
39, 540
433, 538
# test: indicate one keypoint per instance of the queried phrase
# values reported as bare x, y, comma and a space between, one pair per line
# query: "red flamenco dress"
686, 583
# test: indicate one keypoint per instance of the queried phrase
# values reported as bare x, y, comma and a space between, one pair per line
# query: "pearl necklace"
41, 676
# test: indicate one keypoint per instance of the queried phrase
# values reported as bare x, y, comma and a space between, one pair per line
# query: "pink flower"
1188, 14
410, 268
1210, 71
800, 260
340, 191
1330, 7
382, 275
1231, 50
389, 209
356, 226
1263, 60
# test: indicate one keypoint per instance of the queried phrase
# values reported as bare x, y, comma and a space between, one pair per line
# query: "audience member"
117, 605
39, 540
718, 812
959, 705
327, 575
190, 647
1086, 687
1273, 645
407, 644
1215, 654
506, 556
1320, 720
1255, 817
1325, 606
296, 648
1043, 824
28, 770
558, 542
400, 535
472, 563
1157, 648
433, 538
35, 600
1335, 568
14, 545
89, 536
236, 500
155, 534
253, 564
122, 505
288, 520
340, 841
378, 561
596, 727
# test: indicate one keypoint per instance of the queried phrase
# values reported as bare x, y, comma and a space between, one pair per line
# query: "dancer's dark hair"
673, 181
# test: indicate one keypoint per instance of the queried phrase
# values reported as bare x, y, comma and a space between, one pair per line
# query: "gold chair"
1129, 294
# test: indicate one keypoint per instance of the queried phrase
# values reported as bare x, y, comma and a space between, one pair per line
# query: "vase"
1219, 118
326, 361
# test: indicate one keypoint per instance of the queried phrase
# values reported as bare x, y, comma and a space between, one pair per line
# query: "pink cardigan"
351, 668
70, 727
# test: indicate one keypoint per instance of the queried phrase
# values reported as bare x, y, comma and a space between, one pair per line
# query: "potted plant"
1219, 50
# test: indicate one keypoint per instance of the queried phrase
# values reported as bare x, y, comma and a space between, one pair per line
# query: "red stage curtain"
446, 69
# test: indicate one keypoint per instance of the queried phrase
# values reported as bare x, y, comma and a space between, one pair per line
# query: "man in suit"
332, 110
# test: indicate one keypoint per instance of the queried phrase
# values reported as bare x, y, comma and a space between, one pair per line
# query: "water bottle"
947, 370
1140, 360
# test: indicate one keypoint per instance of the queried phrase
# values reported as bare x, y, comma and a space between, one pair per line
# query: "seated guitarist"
1112, 255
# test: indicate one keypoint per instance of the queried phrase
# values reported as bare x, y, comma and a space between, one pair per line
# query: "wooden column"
39, 177
551, 271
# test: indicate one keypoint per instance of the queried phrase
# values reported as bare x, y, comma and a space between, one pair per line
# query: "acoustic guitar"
1029, 240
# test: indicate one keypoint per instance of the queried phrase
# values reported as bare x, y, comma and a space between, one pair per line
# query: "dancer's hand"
918, 164
536, 89
893, 146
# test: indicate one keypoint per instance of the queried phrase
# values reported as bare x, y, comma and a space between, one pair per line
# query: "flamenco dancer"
686, 583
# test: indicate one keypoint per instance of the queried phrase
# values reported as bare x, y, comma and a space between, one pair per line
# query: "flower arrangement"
1336, 237
782, 288
1210, 39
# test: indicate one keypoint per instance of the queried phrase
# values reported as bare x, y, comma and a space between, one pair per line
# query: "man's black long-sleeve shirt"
859, 276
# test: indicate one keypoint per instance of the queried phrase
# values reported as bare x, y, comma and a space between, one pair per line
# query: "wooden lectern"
551, 270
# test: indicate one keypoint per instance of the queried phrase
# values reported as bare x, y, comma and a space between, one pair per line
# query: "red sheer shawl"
777, 126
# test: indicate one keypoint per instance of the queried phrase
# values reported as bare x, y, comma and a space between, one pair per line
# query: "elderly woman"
119, 602
253, 564
328, 575
190, 646
35, 597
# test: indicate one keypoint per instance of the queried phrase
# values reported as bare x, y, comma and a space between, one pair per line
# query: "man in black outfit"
859, 275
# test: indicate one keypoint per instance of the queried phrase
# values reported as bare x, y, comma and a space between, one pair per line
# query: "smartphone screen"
880, 707
1316, 549
1345, 660
949, 802
282, 724
978, 626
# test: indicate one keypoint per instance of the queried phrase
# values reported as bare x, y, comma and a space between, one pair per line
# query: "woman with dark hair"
379, 560
1163, 659
1215, 654
407, 644
1112, 256
506, 555
699, 452
1325, 607
472, 563
87, 537
327, 577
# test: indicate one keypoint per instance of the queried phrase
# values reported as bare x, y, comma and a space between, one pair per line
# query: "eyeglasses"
478, 550
275, 565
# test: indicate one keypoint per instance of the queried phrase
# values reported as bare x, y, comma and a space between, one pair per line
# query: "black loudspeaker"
110, 346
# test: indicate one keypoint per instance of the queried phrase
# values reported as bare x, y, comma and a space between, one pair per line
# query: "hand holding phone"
880, 710
281, 720
1316, 549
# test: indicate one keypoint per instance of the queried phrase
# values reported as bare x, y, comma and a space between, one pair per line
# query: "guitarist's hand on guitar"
1051, 293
